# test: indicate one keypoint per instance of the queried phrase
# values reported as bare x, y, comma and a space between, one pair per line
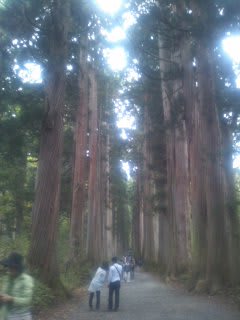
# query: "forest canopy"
88, 87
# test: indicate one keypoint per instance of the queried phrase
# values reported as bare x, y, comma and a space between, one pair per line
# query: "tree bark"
42, 255
178, 208
79, 190
93, 180
148, 191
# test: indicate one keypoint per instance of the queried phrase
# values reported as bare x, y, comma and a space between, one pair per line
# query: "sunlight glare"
116, 58
126, 168
238, 82
123, 134
32, 73
109, 6
115, 35
129, 20
126, 122
231, 46
132, 75
236, 162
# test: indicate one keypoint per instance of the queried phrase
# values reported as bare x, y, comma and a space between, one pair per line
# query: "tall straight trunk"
231, 217
172, 52
107, 249
136, 234
138, 217
93, 181
19, 195
99, 193
146, 211
217, 259
210, 181
181, 179
79, 194
109, 207
167, 95
103, 149
165, 67
101, 184
108, 222
42, 255
148, 246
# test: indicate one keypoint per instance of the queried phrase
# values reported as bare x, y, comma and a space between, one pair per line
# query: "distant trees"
19, 129
192, 233
54, 35
180, 213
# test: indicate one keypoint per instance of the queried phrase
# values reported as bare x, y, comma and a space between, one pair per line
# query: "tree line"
60, 148
60, 143
186, 220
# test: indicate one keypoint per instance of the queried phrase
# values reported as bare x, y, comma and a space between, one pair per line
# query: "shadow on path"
146, 298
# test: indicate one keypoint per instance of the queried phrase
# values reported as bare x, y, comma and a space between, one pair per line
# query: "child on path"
96, 285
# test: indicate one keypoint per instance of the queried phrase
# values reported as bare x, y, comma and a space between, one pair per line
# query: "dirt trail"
146, 298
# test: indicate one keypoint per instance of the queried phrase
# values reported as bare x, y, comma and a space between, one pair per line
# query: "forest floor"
146, 298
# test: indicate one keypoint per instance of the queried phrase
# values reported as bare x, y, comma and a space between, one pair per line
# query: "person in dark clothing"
132, 268
114, 280
126, 272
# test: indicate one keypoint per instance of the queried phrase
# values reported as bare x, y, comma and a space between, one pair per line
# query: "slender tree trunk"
165, 67
148, 192
93, 171
103, 186
107, 247
19, 196
231, 217
42, 256
109, 207
136, 232
79, 194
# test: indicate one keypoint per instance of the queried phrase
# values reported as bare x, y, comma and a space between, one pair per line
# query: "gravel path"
146, 298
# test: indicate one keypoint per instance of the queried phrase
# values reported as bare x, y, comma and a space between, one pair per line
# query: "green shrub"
76, 275
19, 244
43, 296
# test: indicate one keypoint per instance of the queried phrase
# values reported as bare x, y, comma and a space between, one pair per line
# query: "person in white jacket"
114, 280
96, 285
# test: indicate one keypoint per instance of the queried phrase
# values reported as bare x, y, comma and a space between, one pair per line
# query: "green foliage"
43, 297
63, 241
76, 274
237, 190
73, 273
7, 209
21, 109
19, 243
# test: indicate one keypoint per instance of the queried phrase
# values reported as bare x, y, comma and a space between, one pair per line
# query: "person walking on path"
114, 280
16, 290
96, 285
126, 272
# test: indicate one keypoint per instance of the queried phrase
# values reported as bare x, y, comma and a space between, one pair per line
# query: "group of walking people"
128, 268
17, 287
114, 274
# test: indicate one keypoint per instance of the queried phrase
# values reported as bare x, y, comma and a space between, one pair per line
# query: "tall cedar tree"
42, 254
